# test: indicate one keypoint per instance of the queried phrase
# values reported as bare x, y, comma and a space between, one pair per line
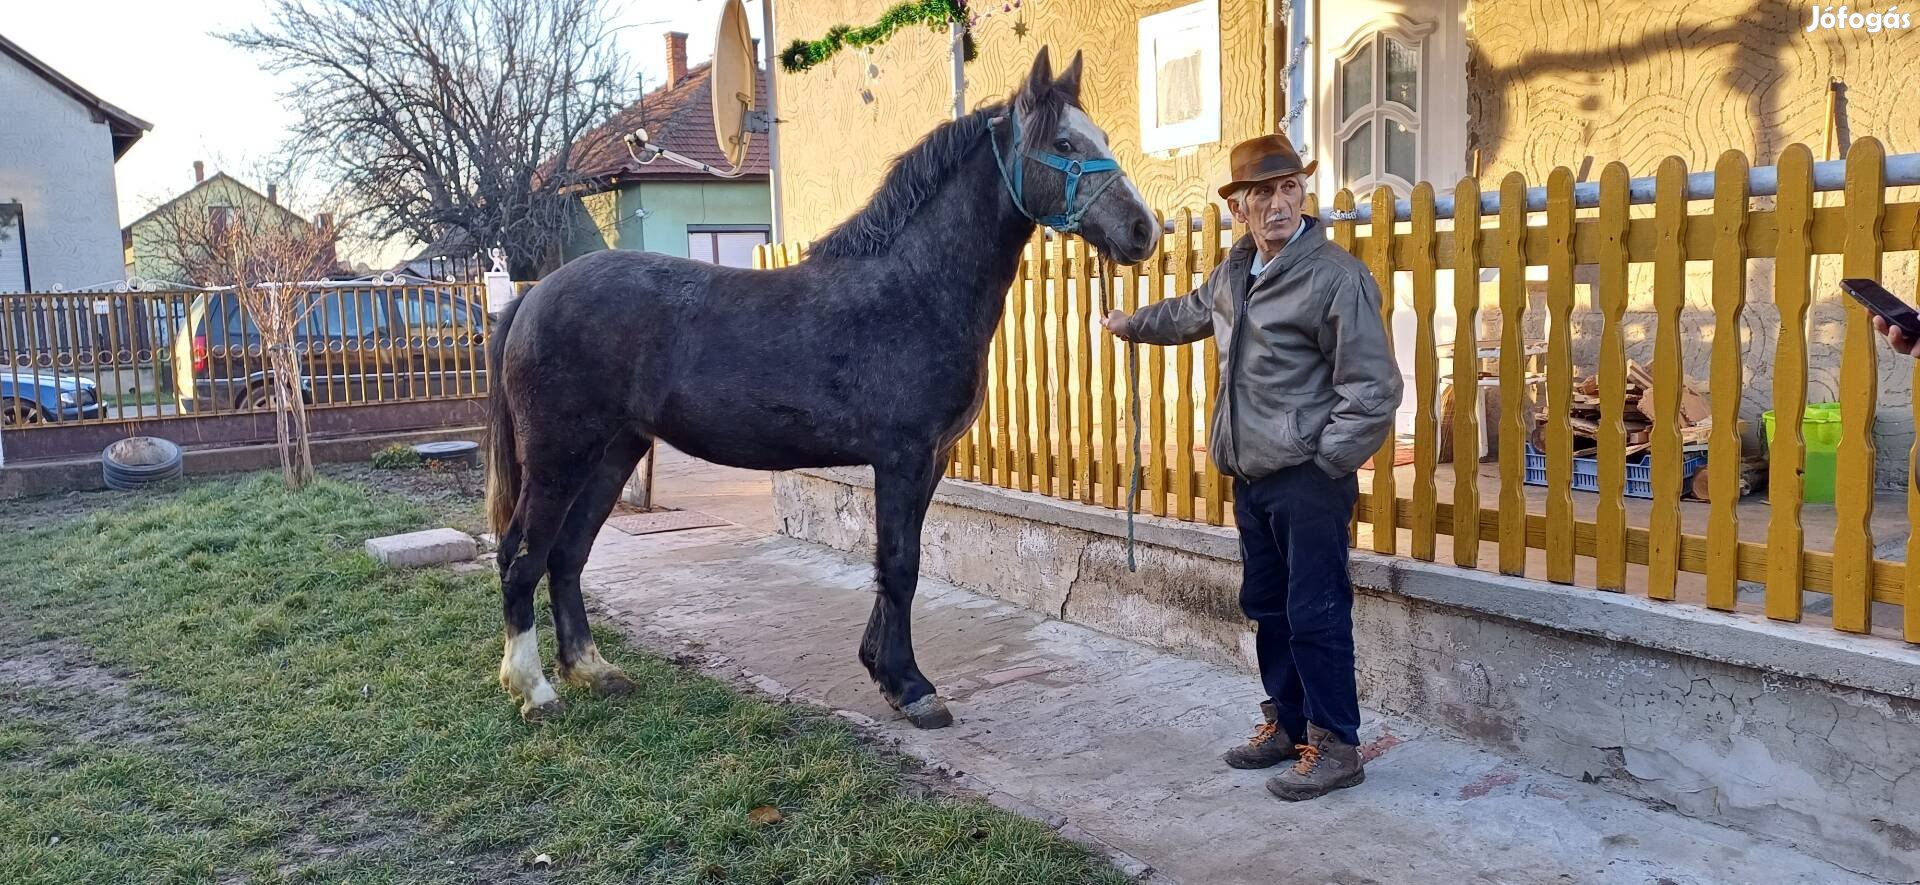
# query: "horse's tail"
503, 462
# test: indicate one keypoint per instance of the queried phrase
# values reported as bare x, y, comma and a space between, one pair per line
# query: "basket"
1586, 472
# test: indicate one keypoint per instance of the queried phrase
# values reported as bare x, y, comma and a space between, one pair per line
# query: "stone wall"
1789, 731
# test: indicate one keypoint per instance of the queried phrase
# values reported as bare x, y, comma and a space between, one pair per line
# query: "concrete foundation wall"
1791, 732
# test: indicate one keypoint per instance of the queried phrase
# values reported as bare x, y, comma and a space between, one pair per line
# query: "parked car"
35, 396
356, 345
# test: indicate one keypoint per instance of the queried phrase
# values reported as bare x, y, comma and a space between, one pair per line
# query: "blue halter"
1069, 221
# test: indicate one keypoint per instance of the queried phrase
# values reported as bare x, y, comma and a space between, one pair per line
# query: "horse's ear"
1068, 83
1040, 78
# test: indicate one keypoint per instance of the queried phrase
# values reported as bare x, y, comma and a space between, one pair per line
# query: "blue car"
34, 396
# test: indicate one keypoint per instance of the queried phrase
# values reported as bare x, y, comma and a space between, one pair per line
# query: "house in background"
148, 242
451, 256
58, 202
663, 206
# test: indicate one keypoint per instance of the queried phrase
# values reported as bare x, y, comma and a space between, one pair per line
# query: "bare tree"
440, 117
271, 260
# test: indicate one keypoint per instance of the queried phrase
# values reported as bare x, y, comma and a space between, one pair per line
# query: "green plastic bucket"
1820, 428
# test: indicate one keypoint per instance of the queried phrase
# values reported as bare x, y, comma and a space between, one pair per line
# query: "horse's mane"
918, 173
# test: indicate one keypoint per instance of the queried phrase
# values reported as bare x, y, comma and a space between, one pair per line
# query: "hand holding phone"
1892, 312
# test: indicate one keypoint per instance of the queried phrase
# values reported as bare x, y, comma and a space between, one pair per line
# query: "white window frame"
1378, 110
18, 233
694, 230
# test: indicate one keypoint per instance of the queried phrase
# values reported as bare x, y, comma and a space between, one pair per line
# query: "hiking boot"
1326, 764
1267, 747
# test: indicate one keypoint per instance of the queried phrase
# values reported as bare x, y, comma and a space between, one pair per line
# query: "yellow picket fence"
1055, 419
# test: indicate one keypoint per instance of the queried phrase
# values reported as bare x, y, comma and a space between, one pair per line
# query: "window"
1377, 111
431, 309
13, 249
220, 218
351, 314
728, 246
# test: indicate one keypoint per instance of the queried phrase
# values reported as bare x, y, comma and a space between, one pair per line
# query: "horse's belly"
758, 437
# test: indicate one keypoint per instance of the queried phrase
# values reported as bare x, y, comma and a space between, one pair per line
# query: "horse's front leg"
901, 495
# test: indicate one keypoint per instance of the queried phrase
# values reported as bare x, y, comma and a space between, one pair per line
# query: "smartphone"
1874, 297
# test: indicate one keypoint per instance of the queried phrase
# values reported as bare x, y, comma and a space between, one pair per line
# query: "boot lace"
1263, 734
1309, 759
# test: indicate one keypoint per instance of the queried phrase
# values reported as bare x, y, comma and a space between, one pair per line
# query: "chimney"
273, 193
676, 58
199, 172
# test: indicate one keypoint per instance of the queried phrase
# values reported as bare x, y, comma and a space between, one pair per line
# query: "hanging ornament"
935, 14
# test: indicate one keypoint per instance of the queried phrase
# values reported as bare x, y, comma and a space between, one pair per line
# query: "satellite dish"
732, 82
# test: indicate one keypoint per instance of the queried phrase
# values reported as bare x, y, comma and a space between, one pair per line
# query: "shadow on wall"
1691, 79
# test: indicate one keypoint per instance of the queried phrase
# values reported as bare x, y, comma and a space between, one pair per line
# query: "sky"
158, 60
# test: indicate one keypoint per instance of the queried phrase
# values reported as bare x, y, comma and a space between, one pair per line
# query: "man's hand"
1896, 339
1116, 323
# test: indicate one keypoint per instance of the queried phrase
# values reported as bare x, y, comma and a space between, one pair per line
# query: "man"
1308, 390
1896, 339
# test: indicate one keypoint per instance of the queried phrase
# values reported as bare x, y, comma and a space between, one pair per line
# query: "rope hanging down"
1133, 408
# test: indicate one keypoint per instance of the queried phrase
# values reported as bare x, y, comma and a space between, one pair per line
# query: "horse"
870, 352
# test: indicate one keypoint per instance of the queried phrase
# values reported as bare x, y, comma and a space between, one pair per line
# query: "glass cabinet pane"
1403, 75
1356, 83
1356, 155
1402, 149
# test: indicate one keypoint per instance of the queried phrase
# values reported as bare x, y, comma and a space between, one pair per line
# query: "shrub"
396, 457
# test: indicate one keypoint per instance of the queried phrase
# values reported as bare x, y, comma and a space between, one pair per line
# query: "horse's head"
1059, 171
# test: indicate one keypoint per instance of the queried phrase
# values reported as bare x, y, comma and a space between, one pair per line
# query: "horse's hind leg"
901, 494
579, 660
537, 521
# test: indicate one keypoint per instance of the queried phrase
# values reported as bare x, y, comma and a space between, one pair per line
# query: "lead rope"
1133, 408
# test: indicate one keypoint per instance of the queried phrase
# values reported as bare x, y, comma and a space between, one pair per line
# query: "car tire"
15, 412
259, 398
139, 461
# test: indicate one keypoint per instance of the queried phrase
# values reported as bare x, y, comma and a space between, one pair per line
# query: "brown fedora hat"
1262, 158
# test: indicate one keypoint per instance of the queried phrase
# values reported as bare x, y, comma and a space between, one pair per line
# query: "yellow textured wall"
835, 144
1554, 81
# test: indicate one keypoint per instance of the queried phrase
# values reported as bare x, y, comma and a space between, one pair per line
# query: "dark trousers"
1293, 548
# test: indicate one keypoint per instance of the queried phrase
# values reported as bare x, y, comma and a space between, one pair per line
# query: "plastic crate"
1586, 472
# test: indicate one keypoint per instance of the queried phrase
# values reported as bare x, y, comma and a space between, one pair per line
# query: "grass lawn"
130, 398
214, 684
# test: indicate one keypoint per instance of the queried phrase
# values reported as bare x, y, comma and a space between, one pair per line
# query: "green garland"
803, 54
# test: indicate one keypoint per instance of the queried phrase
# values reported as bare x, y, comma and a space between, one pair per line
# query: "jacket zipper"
1233, 375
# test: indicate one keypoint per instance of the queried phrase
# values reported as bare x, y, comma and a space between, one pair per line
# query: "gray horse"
871, 351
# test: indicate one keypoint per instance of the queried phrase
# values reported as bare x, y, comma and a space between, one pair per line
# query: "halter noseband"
1069, 221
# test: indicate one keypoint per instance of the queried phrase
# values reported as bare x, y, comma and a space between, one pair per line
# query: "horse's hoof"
547, 712
928, 712
612, 685
604, 681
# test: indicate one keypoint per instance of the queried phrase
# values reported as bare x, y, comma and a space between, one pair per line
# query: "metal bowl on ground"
451, 453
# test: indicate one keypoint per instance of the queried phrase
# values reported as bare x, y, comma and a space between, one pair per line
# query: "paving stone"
430, 547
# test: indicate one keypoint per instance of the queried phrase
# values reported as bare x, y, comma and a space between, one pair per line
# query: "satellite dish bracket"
637, 144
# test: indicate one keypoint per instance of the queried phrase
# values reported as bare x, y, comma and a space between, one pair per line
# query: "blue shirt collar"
1257, 266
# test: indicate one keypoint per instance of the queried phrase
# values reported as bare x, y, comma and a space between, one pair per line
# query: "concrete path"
1117, 744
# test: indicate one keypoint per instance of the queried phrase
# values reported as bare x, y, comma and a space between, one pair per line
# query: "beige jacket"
1314, 379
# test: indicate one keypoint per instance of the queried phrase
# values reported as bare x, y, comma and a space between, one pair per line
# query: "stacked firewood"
1696, 426
1696, 416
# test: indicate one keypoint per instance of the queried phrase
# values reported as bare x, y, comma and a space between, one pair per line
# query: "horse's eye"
1063, 146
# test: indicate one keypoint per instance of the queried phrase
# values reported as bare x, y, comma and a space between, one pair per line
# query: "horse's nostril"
1142, 231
